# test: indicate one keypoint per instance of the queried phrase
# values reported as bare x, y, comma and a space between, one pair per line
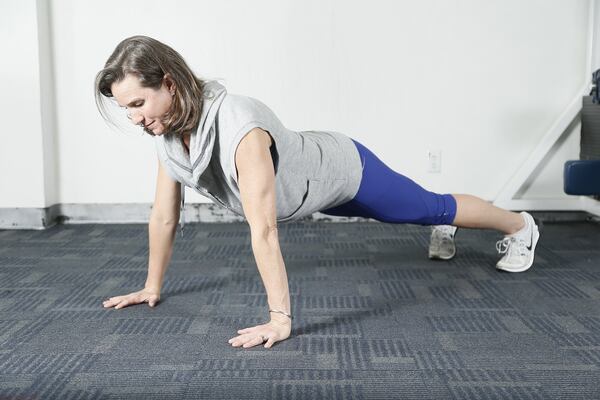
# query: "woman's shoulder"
241, 103
239, 109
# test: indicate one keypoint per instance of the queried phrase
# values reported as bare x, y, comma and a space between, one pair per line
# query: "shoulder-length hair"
150, 60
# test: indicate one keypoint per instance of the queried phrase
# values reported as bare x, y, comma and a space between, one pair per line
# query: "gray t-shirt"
314, 170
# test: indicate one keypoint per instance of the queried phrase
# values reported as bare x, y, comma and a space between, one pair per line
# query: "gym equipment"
582, 177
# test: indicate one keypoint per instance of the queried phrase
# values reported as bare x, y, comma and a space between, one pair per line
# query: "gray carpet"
374, 318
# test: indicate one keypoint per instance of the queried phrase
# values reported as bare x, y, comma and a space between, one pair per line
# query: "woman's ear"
169, 84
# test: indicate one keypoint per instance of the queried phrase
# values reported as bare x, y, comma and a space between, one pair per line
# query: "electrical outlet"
434, 159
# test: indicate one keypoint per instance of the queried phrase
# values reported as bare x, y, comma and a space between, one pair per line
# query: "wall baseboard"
26, 218
42, 218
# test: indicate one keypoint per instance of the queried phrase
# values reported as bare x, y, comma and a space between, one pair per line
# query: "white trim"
23, 218
541, 204
134, 213
591, 206
577, 203
42, 218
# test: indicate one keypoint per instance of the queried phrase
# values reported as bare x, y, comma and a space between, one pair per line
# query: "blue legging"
388, 196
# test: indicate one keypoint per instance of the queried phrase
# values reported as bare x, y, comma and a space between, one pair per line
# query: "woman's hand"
272, 332
149, 296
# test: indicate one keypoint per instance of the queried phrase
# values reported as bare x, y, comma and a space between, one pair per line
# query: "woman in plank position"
234, 150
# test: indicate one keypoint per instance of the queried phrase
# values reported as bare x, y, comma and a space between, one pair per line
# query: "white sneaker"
441, 244
519, 248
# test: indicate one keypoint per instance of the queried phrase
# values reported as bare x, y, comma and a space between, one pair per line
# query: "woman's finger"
124, 303
130, 299
239, 340
270, 342
110, 303
115, 300
151, 300
246, 330
254, 341
243, 339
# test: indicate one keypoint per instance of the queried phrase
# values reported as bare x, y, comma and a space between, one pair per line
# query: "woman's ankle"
518, 225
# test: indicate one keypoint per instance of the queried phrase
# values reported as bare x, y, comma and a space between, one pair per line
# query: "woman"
234, 150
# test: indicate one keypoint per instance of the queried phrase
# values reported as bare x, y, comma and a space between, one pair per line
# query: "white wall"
480, 80
21, 151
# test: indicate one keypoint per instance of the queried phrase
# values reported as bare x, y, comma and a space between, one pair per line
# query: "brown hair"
150, 60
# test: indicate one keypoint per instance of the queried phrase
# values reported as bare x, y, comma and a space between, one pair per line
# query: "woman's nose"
136, 118
135, 115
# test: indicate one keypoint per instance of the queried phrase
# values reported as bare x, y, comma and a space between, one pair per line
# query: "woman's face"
145, 106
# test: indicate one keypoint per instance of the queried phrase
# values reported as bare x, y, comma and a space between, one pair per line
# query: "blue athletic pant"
388, 196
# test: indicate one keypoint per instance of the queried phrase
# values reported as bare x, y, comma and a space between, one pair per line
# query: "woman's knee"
427, 209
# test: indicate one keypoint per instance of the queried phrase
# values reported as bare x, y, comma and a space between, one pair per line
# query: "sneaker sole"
434, 257
438, 257
536, 237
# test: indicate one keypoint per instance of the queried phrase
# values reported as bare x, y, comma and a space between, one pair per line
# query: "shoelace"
506, 245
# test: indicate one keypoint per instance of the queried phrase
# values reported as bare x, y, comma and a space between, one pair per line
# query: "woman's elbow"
264, 233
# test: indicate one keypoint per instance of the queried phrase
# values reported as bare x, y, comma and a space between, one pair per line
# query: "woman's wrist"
152, 289
285, 313
280, 317
281, 321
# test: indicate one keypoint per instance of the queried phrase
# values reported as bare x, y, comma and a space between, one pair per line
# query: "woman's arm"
161, 236
256, 178
161, 233
162, 227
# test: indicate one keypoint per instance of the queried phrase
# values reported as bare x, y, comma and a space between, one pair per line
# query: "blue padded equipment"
582, 177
